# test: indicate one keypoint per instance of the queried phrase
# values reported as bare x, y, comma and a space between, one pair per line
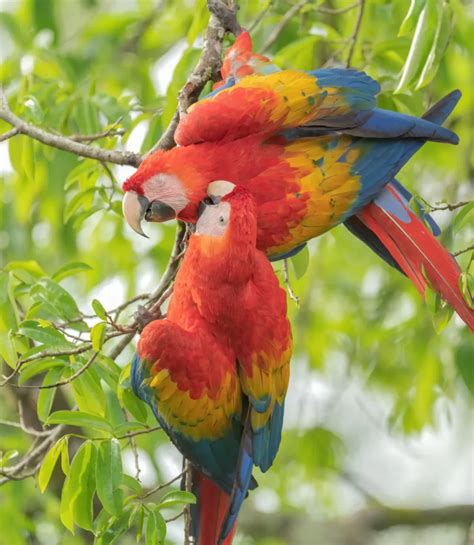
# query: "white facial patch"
214, 220
166, 188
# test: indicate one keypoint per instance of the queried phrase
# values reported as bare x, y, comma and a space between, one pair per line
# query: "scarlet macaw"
216, 370
315, 151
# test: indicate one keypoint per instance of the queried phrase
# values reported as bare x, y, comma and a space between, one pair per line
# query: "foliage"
85, 67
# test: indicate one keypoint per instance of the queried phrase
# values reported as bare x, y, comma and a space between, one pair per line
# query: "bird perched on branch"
216, 370
315, 151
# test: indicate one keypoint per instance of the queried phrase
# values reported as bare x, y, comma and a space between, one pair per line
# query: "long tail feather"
415, 249
207, 516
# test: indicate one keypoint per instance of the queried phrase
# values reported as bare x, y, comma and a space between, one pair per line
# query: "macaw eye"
221, 220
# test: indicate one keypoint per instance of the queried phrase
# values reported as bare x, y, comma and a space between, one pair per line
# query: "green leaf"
411, 17
80, 419
465, 281
200, 19
7, 349
88, 393
46, 335
300, 262
155, 529
128, 427
176, 497
5, 457
99, 309
57, 298
442, 315
78, 489
418, 49
140, 521
49, 462
70, 270
109, 477
464, 359
83, 199
8, 310
465, 215
34, 368
98, 335
130, 482
440, 43
46, 396
30, 267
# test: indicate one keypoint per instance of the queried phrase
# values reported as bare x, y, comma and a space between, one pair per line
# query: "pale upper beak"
137, 207
218, 189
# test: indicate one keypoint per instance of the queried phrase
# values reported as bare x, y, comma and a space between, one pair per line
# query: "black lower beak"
159, 211
203, 204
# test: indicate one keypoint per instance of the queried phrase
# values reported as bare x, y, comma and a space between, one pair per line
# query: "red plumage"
421, 257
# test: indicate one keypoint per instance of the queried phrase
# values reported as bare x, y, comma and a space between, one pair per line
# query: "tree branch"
63, 142
223, 18
355, 34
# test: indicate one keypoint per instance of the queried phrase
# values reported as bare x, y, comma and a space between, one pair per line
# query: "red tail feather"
416, 250
213, 504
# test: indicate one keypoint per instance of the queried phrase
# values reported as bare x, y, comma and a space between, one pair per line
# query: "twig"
176, 517
110, 132
465, 250
260, 17
37, 449
78, 373
282, 24
355, 34
188, 486
63, 142
132, 434
446, 206
29, 431
286, 280
336, 11
160, 487
8, 134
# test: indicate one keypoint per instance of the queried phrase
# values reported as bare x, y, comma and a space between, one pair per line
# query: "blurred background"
378, 441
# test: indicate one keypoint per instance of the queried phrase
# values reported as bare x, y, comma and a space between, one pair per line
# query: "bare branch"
161, 486
109, 133
446, 206
336, 11
63, 142
463, 251
355, 34
8, 134
31, 457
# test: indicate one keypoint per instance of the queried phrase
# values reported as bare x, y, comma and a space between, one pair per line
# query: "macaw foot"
144, 316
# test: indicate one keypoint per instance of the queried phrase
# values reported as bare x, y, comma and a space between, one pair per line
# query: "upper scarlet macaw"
315, 151
215, 371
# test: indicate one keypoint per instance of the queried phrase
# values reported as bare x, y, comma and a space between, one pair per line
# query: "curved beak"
134, 208
137, 207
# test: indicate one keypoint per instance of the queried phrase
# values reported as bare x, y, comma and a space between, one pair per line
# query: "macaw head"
165, 186
241, 61
226, 230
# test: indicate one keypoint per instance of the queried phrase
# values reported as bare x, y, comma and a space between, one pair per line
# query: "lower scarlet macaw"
314, 151
216, 370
